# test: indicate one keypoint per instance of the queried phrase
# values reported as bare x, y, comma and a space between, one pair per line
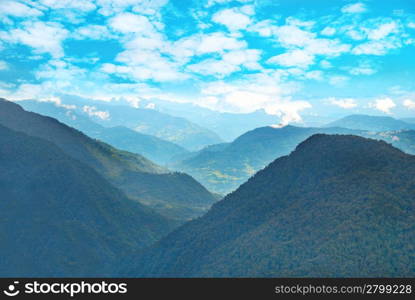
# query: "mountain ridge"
337, 206
175, 195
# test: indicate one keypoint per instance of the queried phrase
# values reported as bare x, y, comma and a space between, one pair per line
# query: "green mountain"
154, 148
175, 195
144, 120
222, 168
338, 206
60, 218
371, 123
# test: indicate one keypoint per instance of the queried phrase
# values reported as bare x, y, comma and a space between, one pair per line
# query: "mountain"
151, 147
409, 120
337, 206
227, 125
144, 120
172, 194
60, 218
224, 167
402, 139
371, 123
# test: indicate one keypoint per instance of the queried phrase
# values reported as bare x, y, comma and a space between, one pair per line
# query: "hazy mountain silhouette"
336, 206
59, 217
176, 195
151, 147
145, 120
372, 123
222, 168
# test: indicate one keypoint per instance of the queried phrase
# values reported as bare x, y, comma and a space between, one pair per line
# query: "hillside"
224, 167
59, 217
151, 147
175, 195
371, 123
338, 206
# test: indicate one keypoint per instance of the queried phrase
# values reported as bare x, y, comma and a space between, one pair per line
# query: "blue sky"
290, 57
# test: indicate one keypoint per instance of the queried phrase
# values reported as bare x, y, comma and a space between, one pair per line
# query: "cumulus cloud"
303, 45
264, 91
408, 103
92, 111
3, 65
346, 103
17, 9
382, 30
79, 5
363, 68
129, 23
329, 31
298, 58
43, 37
338, 80
95, 32
383, 104
234, 18
376, 47
231, 62
355, 8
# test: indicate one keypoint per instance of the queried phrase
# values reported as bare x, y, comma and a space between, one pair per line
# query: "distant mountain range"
59, 217
227, 125
338, 206
151, 147
371, 123
144, 120
223, 167
172, 194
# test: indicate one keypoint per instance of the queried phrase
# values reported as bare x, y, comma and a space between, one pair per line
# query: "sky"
291, 58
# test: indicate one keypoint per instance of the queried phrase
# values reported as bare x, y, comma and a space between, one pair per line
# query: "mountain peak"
314, 213
372, 123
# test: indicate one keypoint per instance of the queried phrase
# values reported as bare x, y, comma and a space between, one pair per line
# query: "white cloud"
326, 64
199, 44
95, 32
316, 75
129, 23
383, 104
346, 103
43, 37
17, 9
294, 58
329, 31
338, 80
93, 112
290, 35
382, 31
363, 68
145, 7
233, 18
3, 65
303, 46
230, 62
381, 47
356, 8
254, 92
264, 28
408, 103
210, 3
83, 5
